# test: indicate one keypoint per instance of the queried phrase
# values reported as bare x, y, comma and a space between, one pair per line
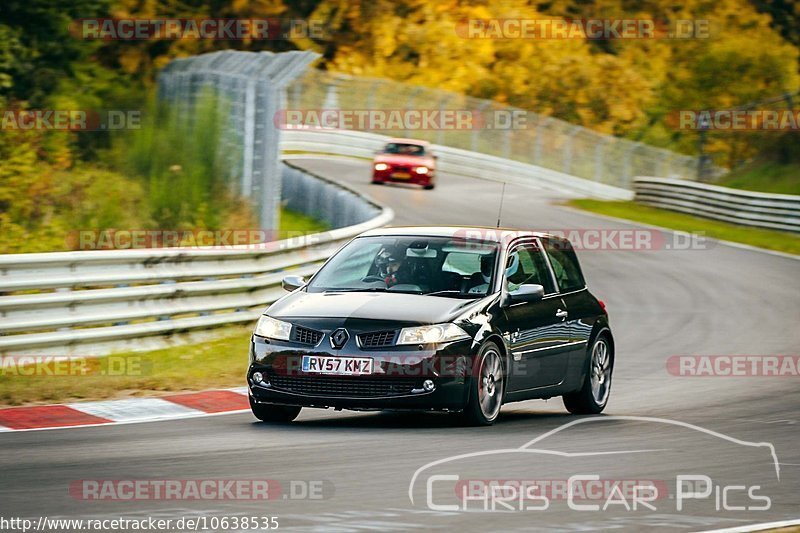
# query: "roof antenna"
500, 211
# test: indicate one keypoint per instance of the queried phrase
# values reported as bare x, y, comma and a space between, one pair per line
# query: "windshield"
404, 149
438, 266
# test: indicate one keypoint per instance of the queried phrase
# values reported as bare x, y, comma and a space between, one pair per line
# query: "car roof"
401, 140
485, 233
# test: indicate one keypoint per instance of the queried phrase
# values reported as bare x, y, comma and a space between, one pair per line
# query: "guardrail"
761, 210
451, 160
94, 302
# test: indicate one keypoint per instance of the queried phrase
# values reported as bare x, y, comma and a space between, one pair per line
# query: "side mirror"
526, 293
291, 283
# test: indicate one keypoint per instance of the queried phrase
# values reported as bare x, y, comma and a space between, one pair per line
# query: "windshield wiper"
362, 289
452, 291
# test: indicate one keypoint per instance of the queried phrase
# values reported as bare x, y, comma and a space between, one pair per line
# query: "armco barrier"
756, 209
93, 302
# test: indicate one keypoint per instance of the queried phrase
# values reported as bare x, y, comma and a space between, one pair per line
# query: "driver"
388, 265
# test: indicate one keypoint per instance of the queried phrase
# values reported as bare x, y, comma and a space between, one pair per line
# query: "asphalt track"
715, 300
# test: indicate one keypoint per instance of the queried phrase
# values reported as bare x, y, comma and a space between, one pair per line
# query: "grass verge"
771, 240
217, 363
293, 221
765, 176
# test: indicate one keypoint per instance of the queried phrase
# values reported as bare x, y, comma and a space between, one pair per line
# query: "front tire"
593, 396
487, 387
274, 413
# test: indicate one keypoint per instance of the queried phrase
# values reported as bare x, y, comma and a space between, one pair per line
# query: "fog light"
428, 385
258, 377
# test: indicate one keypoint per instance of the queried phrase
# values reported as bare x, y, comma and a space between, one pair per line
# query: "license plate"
340, 366
401, 175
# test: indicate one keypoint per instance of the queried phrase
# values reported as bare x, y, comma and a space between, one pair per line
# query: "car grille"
377, 339
343, 386
306, 335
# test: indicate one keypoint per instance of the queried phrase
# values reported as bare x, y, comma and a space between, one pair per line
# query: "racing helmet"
388, 256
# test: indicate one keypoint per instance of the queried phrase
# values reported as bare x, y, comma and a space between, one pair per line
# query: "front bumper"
414, 178
396, 382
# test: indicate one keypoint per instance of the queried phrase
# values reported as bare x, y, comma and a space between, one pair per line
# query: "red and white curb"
184, 405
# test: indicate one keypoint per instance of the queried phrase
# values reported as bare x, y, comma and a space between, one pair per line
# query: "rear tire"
274, 413
429, 187
377, 182
593, 396
487, 387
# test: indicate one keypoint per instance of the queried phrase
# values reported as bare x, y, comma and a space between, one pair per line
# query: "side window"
526, 264
565, 265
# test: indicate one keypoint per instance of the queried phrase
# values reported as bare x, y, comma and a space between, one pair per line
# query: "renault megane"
435, 318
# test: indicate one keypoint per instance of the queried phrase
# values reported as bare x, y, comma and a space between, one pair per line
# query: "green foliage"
765, 176
37, 50
41, 206
181, 165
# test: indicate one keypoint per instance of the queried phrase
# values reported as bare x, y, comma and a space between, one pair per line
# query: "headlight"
421, 170
381, 166
431, 334
273, 329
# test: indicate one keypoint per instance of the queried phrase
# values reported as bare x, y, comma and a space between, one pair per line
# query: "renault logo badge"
339, 338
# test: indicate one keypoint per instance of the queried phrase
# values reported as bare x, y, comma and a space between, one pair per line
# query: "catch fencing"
544, 141
248, 90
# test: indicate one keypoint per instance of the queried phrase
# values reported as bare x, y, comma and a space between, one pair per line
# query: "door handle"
561, 313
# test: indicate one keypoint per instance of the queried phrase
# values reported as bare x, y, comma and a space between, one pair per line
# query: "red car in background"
405, 161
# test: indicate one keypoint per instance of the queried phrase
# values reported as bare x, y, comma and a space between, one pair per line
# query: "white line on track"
757, 527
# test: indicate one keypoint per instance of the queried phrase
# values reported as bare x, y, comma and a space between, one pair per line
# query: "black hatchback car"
435, 318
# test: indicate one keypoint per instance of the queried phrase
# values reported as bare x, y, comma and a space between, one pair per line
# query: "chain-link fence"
255, 89
248, 88
542, 140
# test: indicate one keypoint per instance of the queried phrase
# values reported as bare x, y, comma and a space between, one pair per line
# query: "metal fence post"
599, 154
476, 133
537, 146
566, 165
